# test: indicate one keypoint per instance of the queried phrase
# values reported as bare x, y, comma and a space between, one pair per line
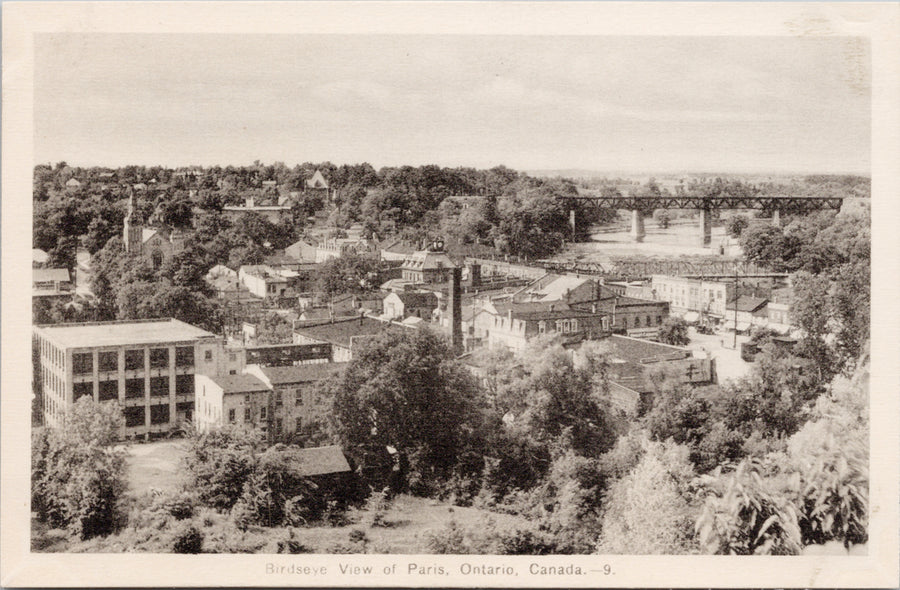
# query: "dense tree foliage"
77, 475
404, 390
674, 331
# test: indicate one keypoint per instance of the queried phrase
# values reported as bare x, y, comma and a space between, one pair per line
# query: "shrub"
746, 515
187, 540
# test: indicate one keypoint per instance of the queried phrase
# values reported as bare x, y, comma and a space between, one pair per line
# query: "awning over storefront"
741, 326
691, 317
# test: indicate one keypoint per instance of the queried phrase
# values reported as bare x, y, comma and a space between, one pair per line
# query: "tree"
274, 329
647, 511
736, 224
766, 244
674, 331
350, 273
407, 391
555, 401
78, 476
662, 217
219, 463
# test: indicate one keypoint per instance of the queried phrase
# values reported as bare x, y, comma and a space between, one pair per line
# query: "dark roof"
745, 303
301, 373
320, 461
418, 299
341, 331
636, 349
534, 311
239, 383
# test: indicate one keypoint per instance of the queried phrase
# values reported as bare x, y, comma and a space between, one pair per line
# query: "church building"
156, 244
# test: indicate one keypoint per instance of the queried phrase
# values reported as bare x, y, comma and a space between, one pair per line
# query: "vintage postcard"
482, 294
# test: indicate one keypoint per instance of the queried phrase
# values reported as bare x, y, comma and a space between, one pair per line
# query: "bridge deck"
783, 204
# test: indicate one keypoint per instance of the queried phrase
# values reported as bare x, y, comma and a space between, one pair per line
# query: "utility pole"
735, 304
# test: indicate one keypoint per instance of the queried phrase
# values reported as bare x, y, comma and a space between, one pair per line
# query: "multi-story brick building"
278, 400
687, 294
146, 365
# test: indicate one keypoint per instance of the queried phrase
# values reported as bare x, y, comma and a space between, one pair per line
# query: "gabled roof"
749, 304
239, 384
427, 260
317, 181
412, 299
557, 288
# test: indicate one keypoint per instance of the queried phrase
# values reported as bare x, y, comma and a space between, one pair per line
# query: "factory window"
184, 356
231, 415
246, 414
134, 360
109, 390
159, 386
134, 388
108, 361
159, 358
159, 414
82, 363
207, 356
262, 413
184, 384
81, 389
134, 416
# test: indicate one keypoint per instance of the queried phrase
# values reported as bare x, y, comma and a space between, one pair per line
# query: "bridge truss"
787, 205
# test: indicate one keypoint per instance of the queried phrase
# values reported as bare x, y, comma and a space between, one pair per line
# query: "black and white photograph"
450, 306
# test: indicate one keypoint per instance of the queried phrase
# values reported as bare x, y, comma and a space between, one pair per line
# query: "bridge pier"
776, 218
705, 228
637, 225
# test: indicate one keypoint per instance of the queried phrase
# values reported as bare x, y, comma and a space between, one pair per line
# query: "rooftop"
557, 288
341, 331
636, 349
745, 303
44, 275
135, 332
240, 383
301, 373
320, 461
418, 299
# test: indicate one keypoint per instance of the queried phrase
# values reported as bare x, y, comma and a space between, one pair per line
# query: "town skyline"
604, 104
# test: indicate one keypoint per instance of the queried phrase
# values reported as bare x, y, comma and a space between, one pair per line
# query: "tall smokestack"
455, 305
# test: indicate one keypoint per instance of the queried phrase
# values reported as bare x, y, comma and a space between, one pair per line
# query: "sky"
655, 104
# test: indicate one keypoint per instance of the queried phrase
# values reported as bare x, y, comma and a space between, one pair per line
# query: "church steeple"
133, 231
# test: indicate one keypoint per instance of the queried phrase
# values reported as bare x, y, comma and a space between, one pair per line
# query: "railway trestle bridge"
641, 206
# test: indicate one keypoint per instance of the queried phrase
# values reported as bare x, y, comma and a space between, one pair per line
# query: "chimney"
455, 304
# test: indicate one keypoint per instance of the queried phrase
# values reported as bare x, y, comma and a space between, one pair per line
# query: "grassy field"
407, 522
155, 465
